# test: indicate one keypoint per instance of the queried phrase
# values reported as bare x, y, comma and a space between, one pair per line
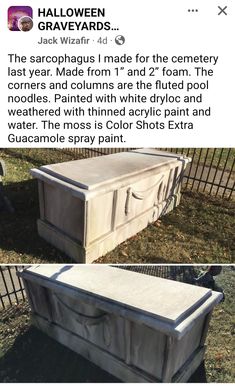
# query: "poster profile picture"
20, 18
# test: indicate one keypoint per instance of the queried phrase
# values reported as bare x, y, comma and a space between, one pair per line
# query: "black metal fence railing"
11, 286
211, 170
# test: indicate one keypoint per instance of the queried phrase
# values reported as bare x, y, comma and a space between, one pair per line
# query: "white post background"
150, 27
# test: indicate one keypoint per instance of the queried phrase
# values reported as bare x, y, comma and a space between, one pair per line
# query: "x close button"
222, 11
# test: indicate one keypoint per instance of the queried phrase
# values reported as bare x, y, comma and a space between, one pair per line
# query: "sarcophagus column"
88, 207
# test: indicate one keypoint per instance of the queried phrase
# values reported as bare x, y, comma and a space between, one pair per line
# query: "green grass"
199, 230
19, 241
28, 355
20, 161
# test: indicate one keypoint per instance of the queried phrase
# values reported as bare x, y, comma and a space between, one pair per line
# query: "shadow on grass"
34, 357
18, 231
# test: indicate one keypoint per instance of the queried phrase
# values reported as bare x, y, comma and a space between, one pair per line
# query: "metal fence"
211, 170
11, 286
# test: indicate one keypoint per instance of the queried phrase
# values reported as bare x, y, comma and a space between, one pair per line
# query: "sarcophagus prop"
137, 327
5, 204
89, 206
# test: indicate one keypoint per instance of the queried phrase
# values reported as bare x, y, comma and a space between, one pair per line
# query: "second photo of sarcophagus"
89, 206
136, 327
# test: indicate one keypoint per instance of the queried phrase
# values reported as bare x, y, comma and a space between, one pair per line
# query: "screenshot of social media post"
117, 191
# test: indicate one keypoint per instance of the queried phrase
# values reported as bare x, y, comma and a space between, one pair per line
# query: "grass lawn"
200, 230
28, 355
